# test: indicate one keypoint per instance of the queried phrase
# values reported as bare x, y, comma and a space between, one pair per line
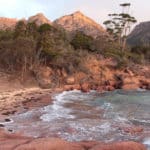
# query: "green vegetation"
143, 51
118, 27
28, 46
82, 41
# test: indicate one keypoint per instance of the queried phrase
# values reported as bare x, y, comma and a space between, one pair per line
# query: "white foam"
106, 127
141, 90
121, 119
57, 110
142, 121
147, 141
107, 106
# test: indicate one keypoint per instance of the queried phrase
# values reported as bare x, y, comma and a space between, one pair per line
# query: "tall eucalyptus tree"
119, 25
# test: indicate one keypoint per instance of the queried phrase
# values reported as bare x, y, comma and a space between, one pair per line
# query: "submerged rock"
2, 126
7, 120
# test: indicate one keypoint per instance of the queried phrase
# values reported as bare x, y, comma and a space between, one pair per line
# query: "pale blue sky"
96, 9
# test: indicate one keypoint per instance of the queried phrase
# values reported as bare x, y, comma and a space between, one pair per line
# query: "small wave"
141, 90
57, 110
145, 122
121, 119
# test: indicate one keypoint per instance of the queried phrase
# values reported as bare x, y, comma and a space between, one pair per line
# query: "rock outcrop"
17, 142
120, 146
43, 77
79, 22
140, 35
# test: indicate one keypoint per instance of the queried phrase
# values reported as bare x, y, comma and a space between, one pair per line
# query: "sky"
53, 9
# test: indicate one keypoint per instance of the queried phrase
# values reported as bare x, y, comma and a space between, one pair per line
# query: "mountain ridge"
140, 35
77, 21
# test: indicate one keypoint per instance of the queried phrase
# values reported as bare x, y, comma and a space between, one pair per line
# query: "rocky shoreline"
25, 99
98, 78
18, 142
18, 101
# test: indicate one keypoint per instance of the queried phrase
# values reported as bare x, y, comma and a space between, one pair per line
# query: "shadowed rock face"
140, 35
79, 22
7, 23
39, 19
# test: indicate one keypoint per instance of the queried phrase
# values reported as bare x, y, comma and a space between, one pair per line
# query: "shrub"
45, 27
82, 41
52, 42
32, 30
141, 51
6, 34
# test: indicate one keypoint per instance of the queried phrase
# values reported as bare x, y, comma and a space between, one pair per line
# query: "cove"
75, 116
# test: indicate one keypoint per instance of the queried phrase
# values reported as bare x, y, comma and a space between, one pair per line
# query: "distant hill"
140, 36
7, 23
79, 22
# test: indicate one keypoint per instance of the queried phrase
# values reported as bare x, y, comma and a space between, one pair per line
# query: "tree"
32, 30
20, 29
51, 43
119, 25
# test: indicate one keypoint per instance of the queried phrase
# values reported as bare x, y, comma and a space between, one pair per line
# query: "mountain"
79, 22
7, 23
140, 35
39, 19
74, 22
